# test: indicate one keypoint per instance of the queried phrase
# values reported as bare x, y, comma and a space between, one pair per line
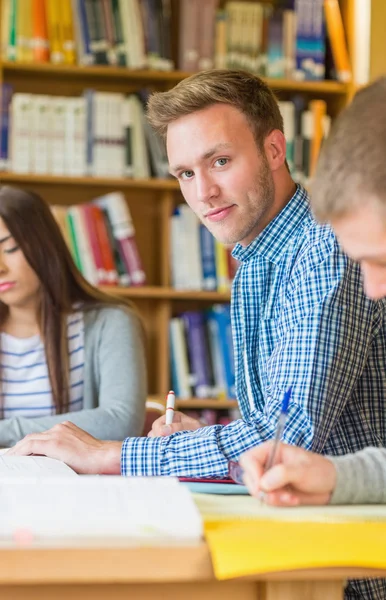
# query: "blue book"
87, 57
208, 259
310, 40
6, 92
198, 353
221, 312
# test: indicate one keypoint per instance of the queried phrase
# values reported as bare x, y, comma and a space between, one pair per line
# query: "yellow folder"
246, 538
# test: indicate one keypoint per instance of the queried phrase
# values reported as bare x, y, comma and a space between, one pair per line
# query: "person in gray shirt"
68, 352
349, 193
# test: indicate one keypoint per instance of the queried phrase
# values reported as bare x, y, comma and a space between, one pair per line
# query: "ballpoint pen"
236, 472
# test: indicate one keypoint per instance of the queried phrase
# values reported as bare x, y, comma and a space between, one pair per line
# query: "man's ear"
275, 149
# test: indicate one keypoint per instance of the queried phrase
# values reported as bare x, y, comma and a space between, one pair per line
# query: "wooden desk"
152, 573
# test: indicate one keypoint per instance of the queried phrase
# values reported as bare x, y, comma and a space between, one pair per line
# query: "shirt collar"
272, 241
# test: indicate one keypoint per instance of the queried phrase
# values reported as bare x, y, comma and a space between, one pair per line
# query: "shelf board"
206, 403
117, 182
166, 293
148, 75
198, 403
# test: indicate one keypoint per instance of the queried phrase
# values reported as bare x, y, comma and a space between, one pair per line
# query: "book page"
98, 507
33, 466
233, 508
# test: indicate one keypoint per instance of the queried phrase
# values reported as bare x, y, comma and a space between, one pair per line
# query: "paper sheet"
226, 508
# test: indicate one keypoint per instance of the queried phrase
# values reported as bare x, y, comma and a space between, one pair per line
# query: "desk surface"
135, 565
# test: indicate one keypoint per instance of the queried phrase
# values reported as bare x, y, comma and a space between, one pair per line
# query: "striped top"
24, 380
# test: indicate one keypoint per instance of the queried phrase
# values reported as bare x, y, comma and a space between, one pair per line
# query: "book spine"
189, 35
20, 128
107, 15
54, 31
68, 35
216, 355
179, 359
75, 250
6, 92
198, 352
208, 259
88, 219
111, 276
221, 267
335, 31
11, 45
123, 274
41, 52
88, 57
318, 109
222, 314
124, 232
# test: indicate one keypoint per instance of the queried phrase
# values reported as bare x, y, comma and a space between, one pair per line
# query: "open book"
42, 501
32, 466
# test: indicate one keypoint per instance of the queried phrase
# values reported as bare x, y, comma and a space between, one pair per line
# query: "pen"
236, 472
170, 401
279, 429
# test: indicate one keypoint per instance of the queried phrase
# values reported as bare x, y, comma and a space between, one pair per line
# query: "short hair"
238, 88
352, 163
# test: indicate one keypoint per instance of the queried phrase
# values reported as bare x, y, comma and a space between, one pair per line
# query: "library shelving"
152, 201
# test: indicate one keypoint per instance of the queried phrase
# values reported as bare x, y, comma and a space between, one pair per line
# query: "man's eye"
186, 175
222, 161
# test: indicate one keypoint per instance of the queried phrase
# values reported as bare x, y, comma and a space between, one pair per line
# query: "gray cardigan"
114, 381
361, 477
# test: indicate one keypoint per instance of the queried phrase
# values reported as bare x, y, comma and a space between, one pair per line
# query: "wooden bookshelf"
152, 200
144, 76
167, 293
102, 182
207, 403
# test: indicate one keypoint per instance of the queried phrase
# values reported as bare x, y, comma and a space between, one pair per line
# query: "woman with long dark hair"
67, 350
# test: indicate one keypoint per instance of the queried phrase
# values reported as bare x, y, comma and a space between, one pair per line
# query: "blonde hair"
352, 164
240, 89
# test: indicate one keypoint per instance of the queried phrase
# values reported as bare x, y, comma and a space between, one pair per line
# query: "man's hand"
181, 422
298, 476
75, 447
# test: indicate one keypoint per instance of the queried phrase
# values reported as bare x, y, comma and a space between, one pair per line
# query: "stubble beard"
260, 200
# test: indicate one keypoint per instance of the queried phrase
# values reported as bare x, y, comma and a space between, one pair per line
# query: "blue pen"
279, 428
236, 472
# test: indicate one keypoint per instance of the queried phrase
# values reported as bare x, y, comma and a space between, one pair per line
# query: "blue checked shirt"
299, 318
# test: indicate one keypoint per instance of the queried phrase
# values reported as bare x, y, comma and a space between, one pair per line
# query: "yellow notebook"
246, 537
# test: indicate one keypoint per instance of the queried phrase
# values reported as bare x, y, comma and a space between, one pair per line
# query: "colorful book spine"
335, 31
123, 230
198, 352
6, 92
310, 40
41, 51
221, 312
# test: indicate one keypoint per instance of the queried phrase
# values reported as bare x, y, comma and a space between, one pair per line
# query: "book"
32, 466
336, 34
96, 509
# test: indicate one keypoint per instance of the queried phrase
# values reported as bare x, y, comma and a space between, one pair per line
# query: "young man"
349, 192
299, 314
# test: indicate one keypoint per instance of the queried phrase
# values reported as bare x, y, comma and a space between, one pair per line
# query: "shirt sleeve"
322, 349
361, 477
119, 385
